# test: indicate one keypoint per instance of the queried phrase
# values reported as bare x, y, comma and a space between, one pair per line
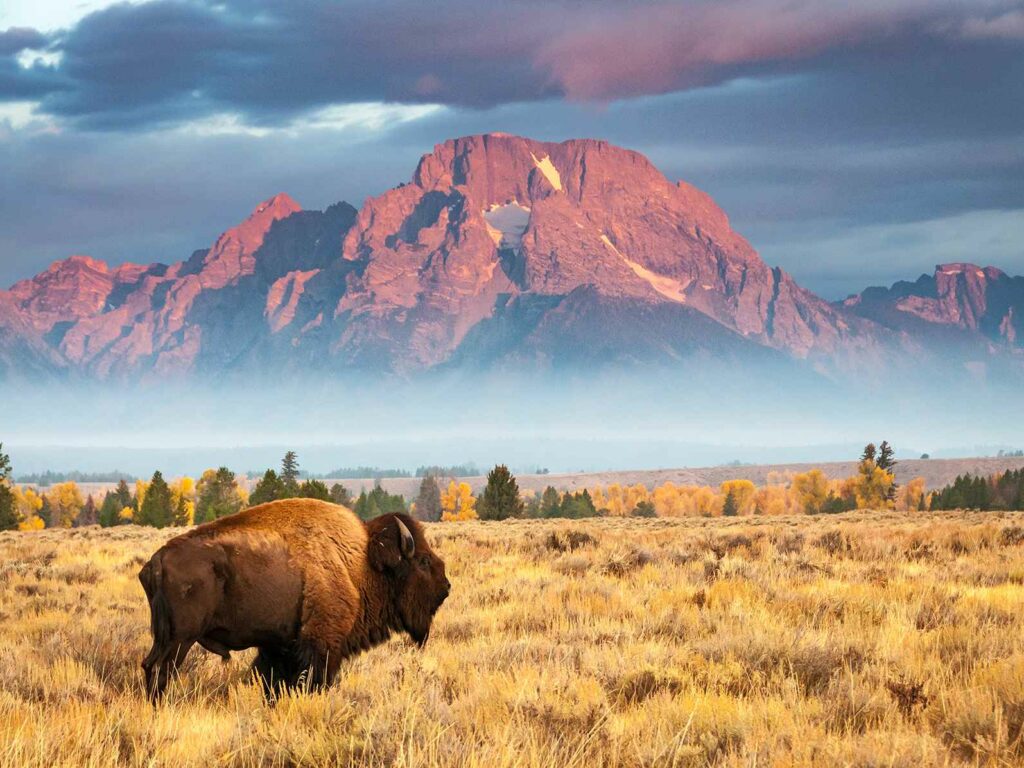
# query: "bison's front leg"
161, 662
321, 669
275, 670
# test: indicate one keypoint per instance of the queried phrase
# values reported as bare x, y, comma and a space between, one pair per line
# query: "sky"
853, 144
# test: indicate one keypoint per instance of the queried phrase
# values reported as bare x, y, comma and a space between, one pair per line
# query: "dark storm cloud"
17, 39
170, 61
816, 126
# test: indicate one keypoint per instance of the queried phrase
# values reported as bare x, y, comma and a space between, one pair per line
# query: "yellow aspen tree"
27, 503
911, 497
810, 490
742, 492
457, 503
141, 486
65, 501
873, 484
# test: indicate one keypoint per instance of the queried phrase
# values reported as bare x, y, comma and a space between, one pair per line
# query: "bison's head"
399, 550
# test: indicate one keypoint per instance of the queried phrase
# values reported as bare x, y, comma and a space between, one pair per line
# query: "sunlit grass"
864, 639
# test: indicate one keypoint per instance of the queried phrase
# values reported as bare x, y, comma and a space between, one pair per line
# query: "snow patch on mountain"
666, 286
507, 223
546, 167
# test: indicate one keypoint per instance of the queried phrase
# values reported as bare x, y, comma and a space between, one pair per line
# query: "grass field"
869, 639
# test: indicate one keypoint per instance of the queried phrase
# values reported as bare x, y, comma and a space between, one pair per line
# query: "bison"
306, 582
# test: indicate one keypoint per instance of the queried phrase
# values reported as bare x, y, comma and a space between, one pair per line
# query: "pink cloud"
626, 50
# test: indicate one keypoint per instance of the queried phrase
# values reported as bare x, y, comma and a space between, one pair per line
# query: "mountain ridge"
500, 251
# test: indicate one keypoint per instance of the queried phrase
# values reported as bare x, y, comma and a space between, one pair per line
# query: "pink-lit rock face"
597, 215
233, 255
139, 320
501, 250
959, 297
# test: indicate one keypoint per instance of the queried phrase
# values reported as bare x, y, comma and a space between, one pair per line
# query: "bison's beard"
417, 623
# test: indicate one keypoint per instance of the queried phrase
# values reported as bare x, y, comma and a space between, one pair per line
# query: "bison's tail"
151, 577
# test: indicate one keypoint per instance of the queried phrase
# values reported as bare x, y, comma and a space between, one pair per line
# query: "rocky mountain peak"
502, 250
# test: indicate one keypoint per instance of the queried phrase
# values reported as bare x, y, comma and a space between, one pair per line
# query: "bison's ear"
389, 543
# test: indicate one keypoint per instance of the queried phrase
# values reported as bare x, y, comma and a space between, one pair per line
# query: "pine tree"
869, 453
550, 502
89, 514
887, 462
885, 457
378, 502
113, 503
500, 499
217, 495
575, 506
157, 509
8, 507
428, 501
314, 489
109, 510
340, 495
644, 509
730, 508
269, 488
290, 473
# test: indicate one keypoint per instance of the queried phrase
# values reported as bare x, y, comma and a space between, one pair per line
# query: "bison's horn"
407, 541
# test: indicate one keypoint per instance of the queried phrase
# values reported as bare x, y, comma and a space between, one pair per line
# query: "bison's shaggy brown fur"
306, 582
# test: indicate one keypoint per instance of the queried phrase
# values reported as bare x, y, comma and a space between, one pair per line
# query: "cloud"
1007, 26
17, 39
270, 62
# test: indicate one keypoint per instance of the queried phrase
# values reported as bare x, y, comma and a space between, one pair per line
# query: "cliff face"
962, 300
500, 251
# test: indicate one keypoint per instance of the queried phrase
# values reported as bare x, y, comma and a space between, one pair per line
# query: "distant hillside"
936, 473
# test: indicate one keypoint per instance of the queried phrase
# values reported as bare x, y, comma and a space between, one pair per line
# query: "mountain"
963, 302
501, 253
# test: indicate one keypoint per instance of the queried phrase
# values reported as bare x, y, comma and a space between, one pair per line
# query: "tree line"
218, 492
1001, 491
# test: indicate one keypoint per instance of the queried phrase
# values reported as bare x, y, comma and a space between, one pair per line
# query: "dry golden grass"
867, 639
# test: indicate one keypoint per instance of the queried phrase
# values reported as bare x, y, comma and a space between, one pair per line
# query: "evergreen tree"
428, 501
887, 462
269, 488
89, 514
645, 509
531, 508
885, 458
869, 453
550, 502
500, 499
730, 508
577, 505
314, 489
378, 502
290, 473
340, 495
110, 512
217, 495
115, 501
157, 507
8, 506
835, 504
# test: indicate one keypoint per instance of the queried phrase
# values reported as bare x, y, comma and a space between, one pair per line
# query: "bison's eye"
425, 561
